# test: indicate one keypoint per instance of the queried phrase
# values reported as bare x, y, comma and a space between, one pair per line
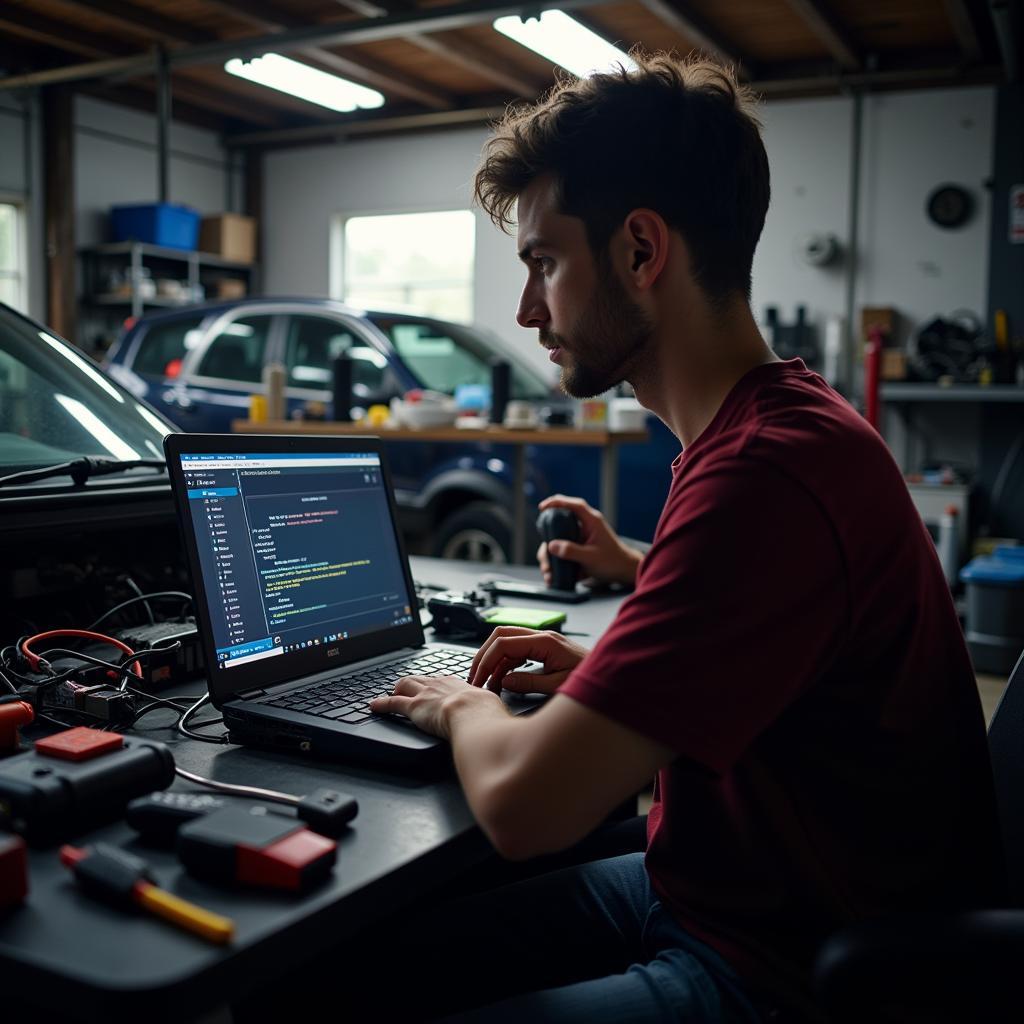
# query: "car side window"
312, 344
438, 359
163, 346
237, 351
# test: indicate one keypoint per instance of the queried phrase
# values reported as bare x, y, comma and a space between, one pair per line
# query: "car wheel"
477, 532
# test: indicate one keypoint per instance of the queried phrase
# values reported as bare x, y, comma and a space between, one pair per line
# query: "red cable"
33, 659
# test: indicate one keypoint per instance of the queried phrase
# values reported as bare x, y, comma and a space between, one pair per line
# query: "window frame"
189, 371
21, 271
336, 255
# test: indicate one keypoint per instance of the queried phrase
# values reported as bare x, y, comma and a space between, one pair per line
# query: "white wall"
305, 188
910, 143
116, 162
914, 142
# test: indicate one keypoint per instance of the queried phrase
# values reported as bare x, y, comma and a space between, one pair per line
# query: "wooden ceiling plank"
693, 28
140, 21
358, 67
829, 31
473, 59
198, 95
21, 22
963, 28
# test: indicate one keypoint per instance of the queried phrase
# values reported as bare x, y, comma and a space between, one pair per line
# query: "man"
790, 666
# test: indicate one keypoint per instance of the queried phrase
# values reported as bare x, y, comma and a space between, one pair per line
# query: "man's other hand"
600, 552
508, 647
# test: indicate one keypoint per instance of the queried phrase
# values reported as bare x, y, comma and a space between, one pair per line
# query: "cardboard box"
881, 316
894, 364
229, 235
230, 288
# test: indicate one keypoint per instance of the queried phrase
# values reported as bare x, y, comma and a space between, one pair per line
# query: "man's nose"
532, 312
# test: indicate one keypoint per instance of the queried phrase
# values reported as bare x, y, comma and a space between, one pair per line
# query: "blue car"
199, 366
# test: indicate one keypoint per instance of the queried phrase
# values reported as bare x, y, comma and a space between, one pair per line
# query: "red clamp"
14, 713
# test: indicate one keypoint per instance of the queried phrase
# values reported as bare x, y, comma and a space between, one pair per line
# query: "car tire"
478, 532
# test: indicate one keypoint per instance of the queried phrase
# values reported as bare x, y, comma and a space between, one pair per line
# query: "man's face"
581, 310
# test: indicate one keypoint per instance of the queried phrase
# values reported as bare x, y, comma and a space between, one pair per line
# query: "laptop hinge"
249, 694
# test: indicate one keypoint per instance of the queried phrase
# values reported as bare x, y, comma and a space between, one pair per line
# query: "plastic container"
995, 609
167, 224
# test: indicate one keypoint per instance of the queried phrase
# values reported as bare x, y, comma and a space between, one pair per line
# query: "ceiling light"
566, 42
308, 83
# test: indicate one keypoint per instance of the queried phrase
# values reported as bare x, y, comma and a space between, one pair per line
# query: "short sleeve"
741, 604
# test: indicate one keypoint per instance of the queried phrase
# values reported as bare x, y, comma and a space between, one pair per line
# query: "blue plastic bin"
176, 227
995, 609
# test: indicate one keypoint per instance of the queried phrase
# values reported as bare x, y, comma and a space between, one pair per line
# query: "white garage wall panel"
914, 142
911, 142
116, 162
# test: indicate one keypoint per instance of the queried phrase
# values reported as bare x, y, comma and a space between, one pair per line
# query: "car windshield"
56, 405
445, 356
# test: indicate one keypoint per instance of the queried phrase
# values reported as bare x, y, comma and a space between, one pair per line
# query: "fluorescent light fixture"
565, 41
308, 83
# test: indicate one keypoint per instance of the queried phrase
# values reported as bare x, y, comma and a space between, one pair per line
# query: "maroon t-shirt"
793, 639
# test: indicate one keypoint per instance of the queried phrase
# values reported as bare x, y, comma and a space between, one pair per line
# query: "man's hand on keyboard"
427, 700
508, 647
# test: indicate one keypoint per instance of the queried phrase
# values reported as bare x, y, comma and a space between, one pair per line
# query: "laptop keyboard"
345, 699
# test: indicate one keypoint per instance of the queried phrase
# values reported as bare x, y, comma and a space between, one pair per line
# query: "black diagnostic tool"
560, 524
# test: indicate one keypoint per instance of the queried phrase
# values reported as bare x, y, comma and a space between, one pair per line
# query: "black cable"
122, 668
10, 686
137, 590
180, 594
183, 723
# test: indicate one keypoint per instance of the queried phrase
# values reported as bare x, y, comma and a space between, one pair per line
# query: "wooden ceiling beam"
367, 72
680, 19
963, 28
472, 58
140, 21
828, 31
21, 22
457, 51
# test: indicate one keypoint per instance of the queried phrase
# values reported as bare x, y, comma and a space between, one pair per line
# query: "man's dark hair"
676, 137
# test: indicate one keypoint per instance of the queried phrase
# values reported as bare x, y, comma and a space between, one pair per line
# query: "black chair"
945, 967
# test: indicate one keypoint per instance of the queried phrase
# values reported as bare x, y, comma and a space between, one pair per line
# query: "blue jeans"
589, 943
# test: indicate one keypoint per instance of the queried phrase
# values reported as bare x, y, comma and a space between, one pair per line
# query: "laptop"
305, 602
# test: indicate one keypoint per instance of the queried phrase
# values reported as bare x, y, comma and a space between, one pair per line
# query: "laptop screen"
298, 556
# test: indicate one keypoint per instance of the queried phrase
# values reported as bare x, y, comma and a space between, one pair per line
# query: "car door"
223, 371
310, 344
155, 353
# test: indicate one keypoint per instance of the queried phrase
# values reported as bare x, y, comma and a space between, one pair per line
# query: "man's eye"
543, 263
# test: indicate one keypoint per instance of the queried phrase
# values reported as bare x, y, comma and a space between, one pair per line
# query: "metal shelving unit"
102, 312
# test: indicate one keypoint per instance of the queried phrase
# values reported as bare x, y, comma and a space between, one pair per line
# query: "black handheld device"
560, 524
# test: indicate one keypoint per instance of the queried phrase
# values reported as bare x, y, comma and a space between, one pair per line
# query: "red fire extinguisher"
872, 373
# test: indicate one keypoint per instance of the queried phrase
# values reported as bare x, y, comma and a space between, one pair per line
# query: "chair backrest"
1006, 749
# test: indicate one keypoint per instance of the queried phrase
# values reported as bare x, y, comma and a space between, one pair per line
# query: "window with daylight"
12, 257
414, 262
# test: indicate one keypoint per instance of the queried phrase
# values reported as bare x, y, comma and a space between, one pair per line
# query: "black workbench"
63, 952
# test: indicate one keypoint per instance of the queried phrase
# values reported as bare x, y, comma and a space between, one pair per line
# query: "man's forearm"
487, 747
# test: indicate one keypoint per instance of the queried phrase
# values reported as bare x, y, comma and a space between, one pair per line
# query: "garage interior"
892, 262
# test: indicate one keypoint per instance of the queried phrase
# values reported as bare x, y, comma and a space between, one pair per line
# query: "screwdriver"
123, 880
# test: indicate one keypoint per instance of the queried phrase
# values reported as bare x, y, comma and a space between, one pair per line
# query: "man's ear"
647, 242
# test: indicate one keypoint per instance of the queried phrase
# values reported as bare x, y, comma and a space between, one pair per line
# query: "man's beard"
605, 341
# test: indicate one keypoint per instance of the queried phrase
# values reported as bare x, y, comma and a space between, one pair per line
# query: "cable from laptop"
184, 730
158, 595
